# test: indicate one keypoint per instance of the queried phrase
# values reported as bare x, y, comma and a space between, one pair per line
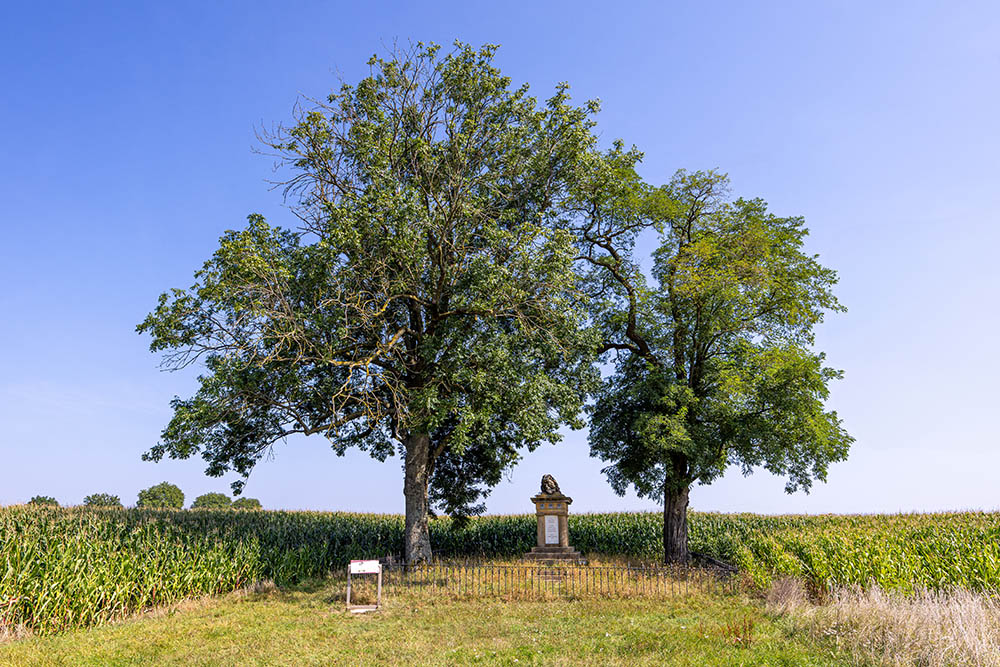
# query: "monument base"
552, 555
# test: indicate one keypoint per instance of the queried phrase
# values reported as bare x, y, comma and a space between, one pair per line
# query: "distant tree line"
160, 496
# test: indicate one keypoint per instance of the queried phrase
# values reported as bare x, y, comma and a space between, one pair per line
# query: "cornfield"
899, 552
63, 568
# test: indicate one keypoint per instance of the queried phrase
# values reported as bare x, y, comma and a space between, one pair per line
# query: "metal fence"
529, 581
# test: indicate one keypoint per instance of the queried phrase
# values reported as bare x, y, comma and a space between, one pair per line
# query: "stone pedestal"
552, 511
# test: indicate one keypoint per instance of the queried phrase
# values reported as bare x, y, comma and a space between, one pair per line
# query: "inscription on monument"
551, 529
552, 511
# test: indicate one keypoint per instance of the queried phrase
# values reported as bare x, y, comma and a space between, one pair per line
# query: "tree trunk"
675, 527
416, 475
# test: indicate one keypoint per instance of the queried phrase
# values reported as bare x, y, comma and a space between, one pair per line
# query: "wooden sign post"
364, 567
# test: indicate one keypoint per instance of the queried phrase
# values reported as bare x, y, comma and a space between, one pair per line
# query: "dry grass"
928, 628
10, 633
786, 594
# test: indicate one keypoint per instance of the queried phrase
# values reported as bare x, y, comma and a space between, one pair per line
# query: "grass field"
307, 625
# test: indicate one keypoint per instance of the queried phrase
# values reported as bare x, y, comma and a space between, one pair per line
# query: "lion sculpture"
549, 485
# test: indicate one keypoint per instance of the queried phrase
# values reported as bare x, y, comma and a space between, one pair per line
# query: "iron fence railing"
529, 581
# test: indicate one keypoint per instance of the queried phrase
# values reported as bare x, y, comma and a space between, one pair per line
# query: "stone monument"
552, 510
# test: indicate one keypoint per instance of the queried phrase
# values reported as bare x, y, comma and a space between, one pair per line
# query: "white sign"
551, 529
365, 567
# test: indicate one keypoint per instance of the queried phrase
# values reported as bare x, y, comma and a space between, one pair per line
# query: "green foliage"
904, 552
714, 365
246, 504
430, 293
46, 501
102, 500
163, 495
212, 501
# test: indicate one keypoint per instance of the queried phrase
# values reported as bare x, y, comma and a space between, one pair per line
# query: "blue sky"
127, 137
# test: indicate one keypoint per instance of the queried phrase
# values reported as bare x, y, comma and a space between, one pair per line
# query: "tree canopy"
246, 504
162, 495
46, 501
425, 306
102, 500
713, 363
213, 501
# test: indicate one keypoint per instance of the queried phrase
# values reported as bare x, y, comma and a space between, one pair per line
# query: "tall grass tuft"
889, 627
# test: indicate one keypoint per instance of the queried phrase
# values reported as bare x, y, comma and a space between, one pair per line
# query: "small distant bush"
47, 501
162, 495
246, 504
212, 501
102, 500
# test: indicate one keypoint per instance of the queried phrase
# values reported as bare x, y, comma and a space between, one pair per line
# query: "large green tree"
102, 500
246, 504
162, 495
212, 501
713, 357
426, 305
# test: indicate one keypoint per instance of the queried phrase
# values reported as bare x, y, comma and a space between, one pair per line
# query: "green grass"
308, 625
